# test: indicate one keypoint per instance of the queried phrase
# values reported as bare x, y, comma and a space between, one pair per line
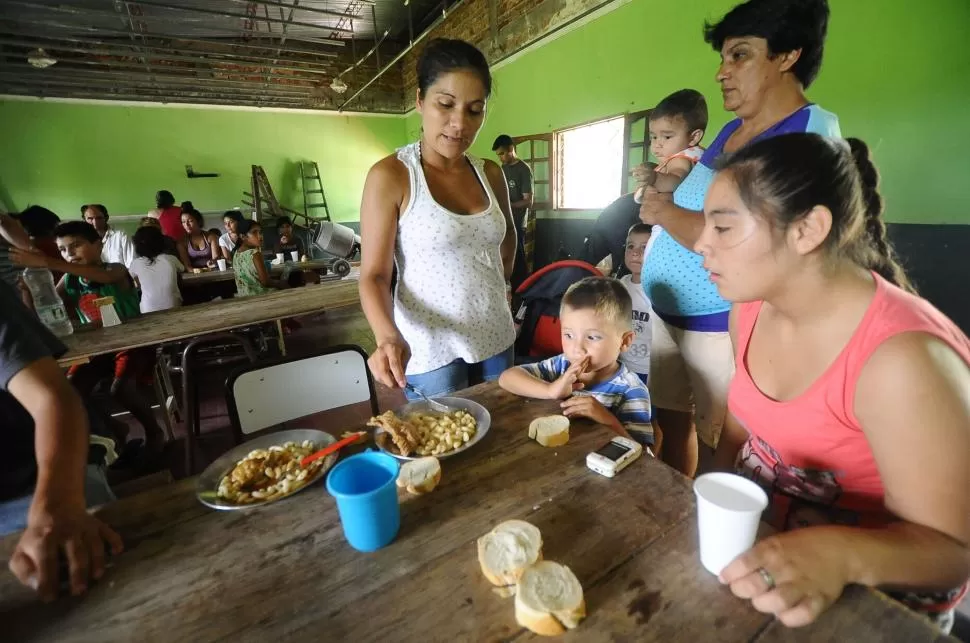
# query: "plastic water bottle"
47, 303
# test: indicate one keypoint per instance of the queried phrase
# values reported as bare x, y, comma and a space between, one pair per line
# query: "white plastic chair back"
267, 396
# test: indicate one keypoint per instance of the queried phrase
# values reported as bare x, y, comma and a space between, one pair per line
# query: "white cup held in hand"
728, 512
295, 255
279, 257
222, 264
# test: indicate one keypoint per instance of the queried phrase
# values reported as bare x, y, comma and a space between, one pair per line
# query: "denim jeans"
459, 374
13, 513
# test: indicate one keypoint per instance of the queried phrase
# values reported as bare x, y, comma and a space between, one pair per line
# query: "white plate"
207, 488
483, 421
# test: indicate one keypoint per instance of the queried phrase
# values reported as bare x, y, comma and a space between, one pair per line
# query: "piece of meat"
404, 434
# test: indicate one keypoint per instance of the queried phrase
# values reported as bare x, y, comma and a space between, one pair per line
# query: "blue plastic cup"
366, 493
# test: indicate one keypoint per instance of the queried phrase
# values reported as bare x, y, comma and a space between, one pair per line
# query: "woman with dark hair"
228, 241
168, 214
155, 272
442, 218
851, 401
202, 248
771, 51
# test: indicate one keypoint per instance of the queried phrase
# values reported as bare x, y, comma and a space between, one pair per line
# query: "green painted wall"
895, 73
62, 155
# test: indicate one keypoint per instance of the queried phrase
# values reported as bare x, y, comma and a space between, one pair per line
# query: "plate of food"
415, 430
264, 470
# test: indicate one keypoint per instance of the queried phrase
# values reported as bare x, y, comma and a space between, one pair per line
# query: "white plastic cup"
295, 255
279, 257
222, 264
728, 512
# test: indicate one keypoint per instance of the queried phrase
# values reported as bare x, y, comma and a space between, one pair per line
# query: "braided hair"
784, 177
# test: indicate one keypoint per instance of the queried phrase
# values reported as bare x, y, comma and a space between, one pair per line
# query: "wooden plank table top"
215, 276
210, 317
284, 572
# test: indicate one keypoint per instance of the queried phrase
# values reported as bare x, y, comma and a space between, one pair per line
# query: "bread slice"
550, 431
420, 476
549, 599
506, 551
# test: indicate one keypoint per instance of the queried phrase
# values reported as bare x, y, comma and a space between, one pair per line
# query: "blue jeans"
13, 513
459, 374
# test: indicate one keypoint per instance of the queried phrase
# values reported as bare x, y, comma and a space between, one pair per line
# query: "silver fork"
437, 406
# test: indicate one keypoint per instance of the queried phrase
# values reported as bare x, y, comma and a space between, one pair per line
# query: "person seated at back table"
155, 273
595, 318
252, 274
287, 242
170, 245
46, 483
850, 404
228, 241
87, 278
203, 248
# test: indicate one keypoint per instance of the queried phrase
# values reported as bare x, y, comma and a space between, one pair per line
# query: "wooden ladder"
264, 202
312, 186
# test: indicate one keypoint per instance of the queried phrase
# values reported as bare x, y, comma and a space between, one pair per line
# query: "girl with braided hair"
851, 399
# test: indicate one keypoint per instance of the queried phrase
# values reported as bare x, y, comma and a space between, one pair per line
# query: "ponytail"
881, 256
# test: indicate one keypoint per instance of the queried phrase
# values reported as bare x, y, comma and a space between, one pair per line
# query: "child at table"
155, 273
86, 279
588, 376
252, 274
637, 356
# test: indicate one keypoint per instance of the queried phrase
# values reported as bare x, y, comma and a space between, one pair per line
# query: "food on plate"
550, 431
304, 259
421, 475
267, 474
197, 271
427, 433
505, 552
549, 599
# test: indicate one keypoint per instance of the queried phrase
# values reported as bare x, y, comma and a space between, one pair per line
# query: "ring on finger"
767, 578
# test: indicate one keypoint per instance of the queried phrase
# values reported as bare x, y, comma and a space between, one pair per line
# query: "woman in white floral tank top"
442, 219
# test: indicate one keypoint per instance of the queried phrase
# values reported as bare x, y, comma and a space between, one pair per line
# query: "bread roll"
420, 476
506, 551
550, 431
549, 599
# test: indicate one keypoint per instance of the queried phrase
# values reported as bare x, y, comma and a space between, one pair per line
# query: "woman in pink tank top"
851, 401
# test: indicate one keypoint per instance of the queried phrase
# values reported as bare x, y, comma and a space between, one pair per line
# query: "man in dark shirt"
518, 176
44, 426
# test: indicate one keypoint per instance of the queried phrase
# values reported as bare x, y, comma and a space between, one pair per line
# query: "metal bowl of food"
212, 489
420, 413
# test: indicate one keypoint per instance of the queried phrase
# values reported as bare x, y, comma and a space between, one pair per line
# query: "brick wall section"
520, 23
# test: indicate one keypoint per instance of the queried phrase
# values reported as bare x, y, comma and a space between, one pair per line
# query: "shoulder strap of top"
410, 156
746, 316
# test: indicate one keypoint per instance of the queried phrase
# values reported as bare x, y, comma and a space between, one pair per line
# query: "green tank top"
84, 292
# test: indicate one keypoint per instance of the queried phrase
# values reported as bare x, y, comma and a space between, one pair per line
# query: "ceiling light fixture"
338, 86
40, 59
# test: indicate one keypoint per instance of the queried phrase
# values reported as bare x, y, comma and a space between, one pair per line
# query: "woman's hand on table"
652, 205
389, 361
83, 538
808, 569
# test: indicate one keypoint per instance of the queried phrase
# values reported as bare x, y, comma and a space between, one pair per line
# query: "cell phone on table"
615, 456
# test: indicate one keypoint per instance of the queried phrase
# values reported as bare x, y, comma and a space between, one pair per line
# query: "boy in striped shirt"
595, 319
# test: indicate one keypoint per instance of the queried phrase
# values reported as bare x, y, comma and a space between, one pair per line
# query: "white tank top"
449, 302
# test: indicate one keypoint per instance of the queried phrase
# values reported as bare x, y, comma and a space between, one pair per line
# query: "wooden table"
215, 276
211, 317
284, 572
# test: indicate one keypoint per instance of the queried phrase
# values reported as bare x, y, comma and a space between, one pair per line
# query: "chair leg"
190, 407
